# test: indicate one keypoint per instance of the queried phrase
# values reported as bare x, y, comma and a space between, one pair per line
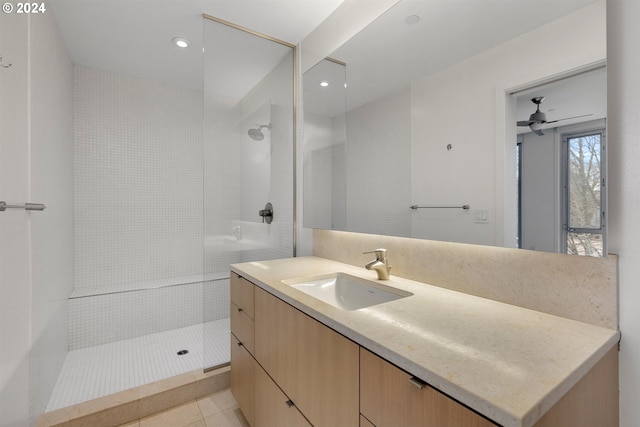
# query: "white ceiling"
389, 54
133, 37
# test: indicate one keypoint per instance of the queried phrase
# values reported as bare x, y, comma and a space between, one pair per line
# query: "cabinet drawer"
243, 369
365, 422
242, 292
386, 396
273, 407
314, 365
242, 326
391, 397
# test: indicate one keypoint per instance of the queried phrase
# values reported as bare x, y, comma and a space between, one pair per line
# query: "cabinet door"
243, 369
273, 407
314, 365
365, 422
391, 397
593, 401
387, 396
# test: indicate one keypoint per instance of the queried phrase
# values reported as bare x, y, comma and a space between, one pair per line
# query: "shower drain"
183, 352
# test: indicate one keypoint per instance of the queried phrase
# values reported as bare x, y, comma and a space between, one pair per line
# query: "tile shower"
166, 196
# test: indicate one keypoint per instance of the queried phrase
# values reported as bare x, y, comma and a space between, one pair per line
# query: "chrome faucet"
380, 264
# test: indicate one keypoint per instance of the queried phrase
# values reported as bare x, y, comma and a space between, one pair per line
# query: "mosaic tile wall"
137, 179
138, 219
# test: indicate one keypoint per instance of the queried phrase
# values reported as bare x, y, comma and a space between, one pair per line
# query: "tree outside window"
584, 228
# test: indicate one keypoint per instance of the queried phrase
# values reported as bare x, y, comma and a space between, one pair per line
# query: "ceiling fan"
539, 118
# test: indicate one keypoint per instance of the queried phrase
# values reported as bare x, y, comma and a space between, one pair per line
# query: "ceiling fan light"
535, 126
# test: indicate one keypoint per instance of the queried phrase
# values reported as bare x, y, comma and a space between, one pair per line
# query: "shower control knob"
266, 213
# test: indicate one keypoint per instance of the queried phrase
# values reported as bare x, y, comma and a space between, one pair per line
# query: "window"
584, 193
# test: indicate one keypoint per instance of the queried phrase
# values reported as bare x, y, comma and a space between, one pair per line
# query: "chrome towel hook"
2, 65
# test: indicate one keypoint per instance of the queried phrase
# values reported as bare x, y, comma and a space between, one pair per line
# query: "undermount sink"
345, 291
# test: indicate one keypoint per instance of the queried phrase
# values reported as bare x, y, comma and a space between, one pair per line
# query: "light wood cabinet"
243, 365
365, 422
242, 311
243, 368
242, 292
273, 407
279, 355
391, 397
592, 402
315, 366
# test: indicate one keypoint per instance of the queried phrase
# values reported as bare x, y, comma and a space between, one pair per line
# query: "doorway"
561, 166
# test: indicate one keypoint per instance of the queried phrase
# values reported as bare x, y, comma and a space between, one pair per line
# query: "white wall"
346, 21
221, 182
277, 91
540, 179
51, 147
623, 106
318, 171
373, 168
323, 148
15, 284
378, 159
37, 272
139, 217
462, 106
138, 179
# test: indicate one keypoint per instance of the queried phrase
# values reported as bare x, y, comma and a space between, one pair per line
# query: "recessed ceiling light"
324, 83
412, 19
180, 42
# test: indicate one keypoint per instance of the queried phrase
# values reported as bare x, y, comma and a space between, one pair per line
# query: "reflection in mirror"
430, 118
324, 180
561, 166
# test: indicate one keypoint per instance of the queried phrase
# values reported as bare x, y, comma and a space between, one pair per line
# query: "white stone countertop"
508, 363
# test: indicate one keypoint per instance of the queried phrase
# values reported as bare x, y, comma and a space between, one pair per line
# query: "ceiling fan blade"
525, 123
568, 118
538, 131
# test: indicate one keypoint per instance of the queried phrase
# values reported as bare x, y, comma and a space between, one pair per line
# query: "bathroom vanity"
428, 356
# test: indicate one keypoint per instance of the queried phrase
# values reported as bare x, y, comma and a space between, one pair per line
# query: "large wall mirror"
425, 125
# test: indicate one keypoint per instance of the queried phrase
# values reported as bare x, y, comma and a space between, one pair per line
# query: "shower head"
256, 134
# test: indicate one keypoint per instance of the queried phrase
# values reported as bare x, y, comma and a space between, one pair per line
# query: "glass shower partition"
248, 157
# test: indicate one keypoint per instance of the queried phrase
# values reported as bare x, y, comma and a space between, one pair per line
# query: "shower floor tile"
92, 372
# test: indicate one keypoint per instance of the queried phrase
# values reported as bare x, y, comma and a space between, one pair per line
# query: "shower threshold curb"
136, 403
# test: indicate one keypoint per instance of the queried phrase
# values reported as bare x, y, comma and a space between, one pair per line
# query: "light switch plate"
481, 216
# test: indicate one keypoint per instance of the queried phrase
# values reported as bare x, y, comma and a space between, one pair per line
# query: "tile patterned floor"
93, 372
217, 410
